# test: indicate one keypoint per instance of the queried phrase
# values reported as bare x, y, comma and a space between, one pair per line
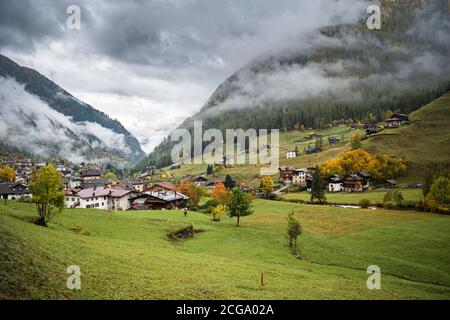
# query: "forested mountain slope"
40, 117
338, 72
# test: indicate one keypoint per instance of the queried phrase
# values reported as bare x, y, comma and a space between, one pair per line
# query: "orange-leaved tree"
220, 194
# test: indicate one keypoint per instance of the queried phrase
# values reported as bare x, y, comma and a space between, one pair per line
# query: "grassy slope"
425, 141
413, 195
127, 255
288, 141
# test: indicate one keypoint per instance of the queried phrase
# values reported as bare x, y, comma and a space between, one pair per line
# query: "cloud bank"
420, 61
31, 125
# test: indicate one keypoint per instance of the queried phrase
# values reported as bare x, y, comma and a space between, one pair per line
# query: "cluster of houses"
355, 182
24, 166
97, 193
396, 120
122, 196
86, 188
332, 140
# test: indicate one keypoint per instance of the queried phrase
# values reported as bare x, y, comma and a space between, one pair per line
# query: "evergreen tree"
229, 183
318, 187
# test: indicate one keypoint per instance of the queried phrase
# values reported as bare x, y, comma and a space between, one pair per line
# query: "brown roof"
165, 185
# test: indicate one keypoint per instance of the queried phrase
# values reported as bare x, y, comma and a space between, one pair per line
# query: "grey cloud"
424, 63
24, 23
134, 59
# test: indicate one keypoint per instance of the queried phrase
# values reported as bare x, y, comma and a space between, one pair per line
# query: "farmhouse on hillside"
286, 173
391, 184
90, 174
291, 154
197, 180
302, 177
336, 183
333, 140
396, 120
356, 182
13, 191
313, 150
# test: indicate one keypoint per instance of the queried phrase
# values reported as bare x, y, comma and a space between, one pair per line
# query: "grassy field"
128, 256
375, 197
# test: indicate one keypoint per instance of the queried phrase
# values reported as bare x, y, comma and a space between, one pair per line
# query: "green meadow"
375, 197
127, 255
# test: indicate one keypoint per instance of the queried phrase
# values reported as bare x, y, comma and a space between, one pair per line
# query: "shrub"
438, 199
390, 205
364, 203
393, 199
217, 212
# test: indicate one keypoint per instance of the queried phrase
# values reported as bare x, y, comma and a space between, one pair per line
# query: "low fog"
422, 63
28, 123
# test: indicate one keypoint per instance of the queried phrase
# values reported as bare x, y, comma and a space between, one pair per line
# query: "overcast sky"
151, 64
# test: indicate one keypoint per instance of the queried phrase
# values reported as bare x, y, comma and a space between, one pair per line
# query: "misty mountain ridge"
41, 118
337, 72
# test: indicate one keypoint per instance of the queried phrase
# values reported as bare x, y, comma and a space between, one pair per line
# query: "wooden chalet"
333, 140
160, 201
391, 184
396, 120
353, 183
313, 150
286, 173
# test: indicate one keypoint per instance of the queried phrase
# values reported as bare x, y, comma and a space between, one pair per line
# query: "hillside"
32, 102
128, 256
337, 72
425, 142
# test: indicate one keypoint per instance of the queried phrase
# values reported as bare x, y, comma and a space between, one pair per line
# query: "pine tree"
318, 187
229, 183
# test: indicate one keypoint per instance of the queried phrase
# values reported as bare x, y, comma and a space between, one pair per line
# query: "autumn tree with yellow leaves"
380, 167
7, 174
